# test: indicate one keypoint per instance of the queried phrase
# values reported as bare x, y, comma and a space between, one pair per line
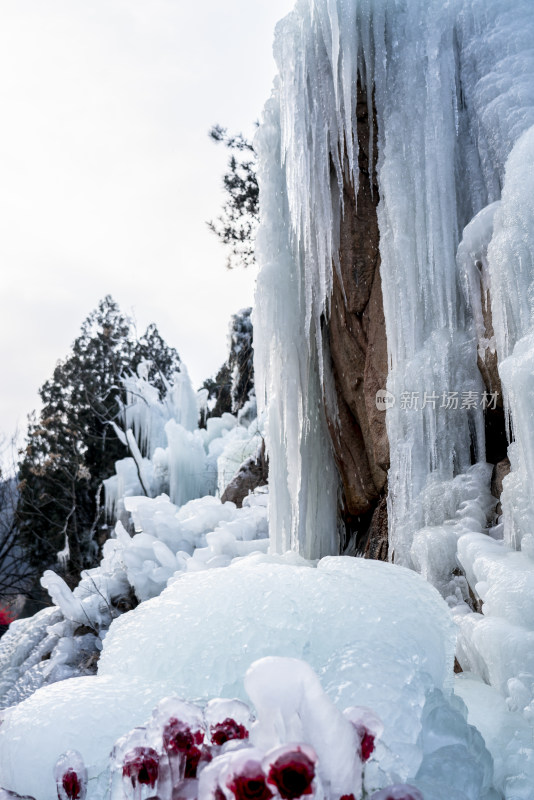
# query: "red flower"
292, 773
71, 784
229, 729
141, 765
367, 743
249, 783
6, 615
347, 797
179, 739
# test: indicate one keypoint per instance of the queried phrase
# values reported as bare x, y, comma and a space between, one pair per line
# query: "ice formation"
453, 88
170, 452
430, 115
400, 667
452, 85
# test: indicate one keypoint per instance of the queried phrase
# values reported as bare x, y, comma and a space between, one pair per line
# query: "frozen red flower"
292, 772
367, 743
347, 797
225, 731
249, 783
72, 785
70, 775
368, 726
141, 765
180, 739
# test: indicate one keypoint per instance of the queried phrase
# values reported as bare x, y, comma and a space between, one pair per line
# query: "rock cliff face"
356, 337
357, 348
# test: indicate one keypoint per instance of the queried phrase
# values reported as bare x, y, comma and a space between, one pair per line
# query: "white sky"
107, 175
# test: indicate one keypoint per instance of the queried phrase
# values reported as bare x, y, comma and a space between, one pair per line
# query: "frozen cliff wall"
452, 97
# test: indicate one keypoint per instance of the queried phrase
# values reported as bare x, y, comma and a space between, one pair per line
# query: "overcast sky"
107, 175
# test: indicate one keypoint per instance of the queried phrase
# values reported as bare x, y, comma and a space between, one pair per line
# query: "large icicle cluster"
406, 56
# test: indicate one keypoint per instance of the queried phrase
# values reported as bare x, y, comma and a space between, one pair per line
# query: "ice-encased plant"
70, 775
368, 726
227, 720
290, 769
242, 775
299, 746
141, 766
135, 768
180, 729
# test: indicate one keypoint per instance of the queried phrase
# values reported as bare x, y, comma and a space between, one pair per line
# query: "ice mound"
202, 533
280, 609
451, 509
198, 638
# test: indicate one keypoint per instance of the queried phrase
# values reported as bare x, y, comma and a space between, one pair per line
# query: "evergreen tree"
71, 446
231, 387
236, 227
15, 573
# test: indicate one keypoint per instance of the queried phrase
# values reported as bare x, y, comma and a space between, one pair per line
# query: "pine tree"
71, 445
236, 227
233, 383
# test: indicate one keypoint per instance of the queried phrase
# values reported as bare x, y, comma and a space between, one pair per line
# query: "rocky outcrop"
377, 535
358, 352
500, 471
252, 473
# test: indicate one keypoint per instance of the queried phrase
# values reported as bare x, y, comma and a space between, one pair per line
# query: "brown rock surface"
500, 471
377, 535
252, 473
358, 349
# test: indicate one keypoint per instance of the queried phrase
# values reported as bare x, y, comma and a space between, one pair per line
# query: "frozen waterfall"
454, 95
